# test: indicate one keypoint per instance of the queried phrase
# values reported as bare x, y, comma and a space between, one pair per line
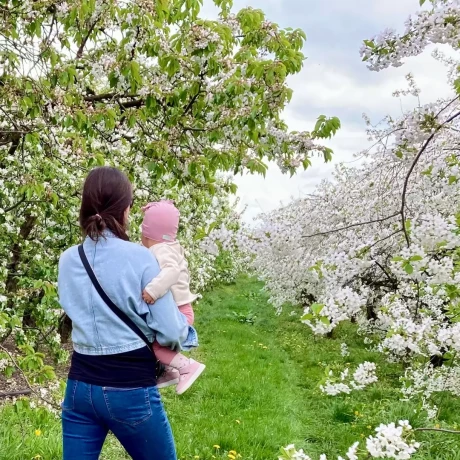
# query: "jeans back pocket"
130, 406
69, 397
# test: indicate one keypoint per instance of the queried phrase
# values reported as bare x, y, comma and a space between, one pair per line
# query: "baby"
159, 232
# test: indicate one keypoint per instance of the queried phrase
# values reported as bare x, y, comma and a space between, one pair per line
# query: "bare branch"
32, 390
14, 206
105, 96
15, 393
85, 40
411, 170
440, 430
383, 219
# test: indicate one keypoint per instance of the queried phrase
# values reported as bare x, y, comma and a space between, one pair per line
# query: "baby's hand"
148, 298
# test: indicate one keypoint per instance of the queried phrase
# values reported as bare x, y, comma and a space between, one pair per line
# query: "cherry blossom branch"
385, 238
105, 96
411, 170
15, 205
85, 40
393, 281
383, 219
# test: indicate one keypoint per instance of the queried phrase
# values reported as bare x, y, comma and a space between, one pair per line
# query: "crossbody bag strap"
121, 314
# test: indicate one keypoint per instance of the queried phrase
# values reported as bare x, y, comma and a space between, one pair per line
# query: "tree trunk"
12, 278
370, 312
65, 329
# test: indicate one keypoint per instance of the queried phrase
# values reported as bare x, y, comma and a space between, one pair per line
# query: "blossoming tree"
380, 243
144, 85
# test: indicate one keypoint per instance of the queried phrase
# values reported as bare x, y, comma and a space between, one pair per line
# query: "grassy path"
259, 392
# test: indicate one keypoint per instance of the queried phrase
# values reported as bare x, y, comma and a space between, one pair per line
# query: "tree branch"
15, 393
105, 96
440, 430
383, 219
411, 170
85, 40
14, 206
32, 390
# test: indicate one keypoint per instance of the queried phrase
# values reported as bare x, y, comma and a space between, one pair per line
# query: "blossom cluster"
390, 441
437, 25
363, 376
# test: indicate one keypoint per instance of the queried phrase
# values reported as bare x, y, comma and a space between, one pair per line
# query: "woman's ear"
126, 216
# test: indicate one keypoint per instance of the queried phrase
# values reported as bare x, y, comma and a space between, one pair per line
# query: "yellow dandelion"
38, 433
37, 457
197, 457
232, 452
369, 427
362, 435
231, 457
437, 426
356, 413
216, 446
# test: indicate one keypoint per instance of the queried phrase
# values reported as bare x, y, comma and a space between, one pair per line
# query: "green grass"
259, 392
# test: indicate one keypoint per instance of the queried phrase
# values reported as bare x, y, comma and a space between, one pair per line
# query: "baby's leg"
171, 376
187, 310
163, 354
189, 369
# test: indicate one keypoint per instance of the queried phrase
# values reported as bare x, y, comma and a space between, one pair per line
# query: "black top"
133, 369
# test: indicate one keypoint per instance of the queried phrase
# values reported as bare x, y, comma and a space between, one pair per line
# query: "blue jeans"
134, 415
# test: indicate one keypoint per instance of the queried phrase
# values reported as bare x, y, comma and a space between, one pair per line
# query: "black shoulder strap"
122, 315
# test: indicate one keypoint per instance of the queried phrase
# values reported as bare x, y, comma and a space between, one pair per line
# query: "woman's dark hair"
106, 195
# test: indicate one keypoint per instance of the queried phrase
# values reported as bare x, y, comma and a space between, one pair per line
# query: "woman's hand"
148, 298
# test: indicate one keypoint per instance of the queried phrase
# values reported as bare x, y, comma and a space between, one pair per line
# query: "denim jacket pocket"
69, 396
130, 406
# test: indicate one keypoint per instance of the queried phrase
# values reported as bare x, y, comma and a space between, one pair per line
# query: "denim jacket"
123, 270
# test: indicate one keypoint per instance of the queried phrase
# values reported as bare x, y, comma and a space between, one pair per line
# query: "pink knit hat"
161, 221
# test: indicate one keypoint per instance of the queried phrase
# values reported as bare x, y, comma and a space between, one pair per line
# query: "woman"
112, 378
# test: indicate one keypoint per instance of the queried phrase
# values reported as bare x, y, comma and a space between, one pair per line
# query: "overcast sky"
334, 81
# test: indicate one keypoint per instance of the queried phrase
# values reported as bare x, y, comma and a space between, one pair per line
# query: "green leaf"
307, 317
316, 308
408, 268
369, 44
135, 71
325, 320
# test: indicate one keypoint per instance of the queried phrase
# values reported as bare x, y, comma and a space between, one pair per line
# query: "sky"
335, 82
